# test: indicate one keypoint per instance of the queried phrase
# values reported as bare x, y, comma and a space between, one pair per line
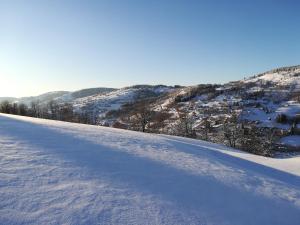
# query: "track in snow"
63, 173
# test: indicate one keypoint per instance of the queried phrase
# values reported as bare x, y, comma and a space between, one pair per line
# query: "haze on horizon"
70, 45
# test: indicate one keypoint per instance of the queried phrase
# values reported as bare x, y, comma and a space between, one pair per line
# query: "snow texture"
64, 173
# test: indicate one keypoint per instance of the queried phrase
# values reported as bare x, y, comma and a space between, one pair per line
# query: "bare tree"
23, 109
142, 116
184, 126
159, 121
35, 109
258, 140
205, 129
66, 112
53, 110
5, 107
232, 130
14, 109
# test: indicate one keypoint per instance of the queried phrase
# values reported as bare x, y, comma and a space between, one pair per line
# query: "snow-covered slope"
63, 173
43, 98
71, 96
289, 76
101, 103
10, 99
59, 96
107, 101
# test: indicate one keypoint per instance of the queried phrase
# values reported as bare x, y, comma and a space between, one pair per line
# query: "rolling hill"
56, 172
267, 103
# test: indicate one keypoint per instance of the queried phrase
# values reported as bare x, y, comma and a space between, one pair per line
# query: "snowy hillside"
42, 99
261, 109
101, 103
71, 96
65, 173
285, 76
59, 96
10, 99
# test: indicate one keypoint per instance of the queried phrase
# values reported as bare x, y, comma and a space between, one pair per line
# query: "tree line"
138, 116
52, 110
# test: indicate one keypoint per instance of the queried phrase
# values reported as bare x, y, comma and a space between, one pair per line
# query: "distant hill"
269, 101
60, 96
84, 93
10, 99
43, 98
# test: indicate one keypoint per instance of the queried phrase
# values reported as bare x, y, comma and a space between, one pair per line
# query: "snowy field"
63, 173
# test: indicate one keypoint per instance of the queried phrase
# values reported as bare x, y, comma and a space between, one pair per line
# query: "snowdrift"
55, 172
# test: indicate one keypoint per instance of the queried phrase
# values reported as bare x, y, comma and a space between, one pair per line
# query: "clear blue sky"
67, 45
